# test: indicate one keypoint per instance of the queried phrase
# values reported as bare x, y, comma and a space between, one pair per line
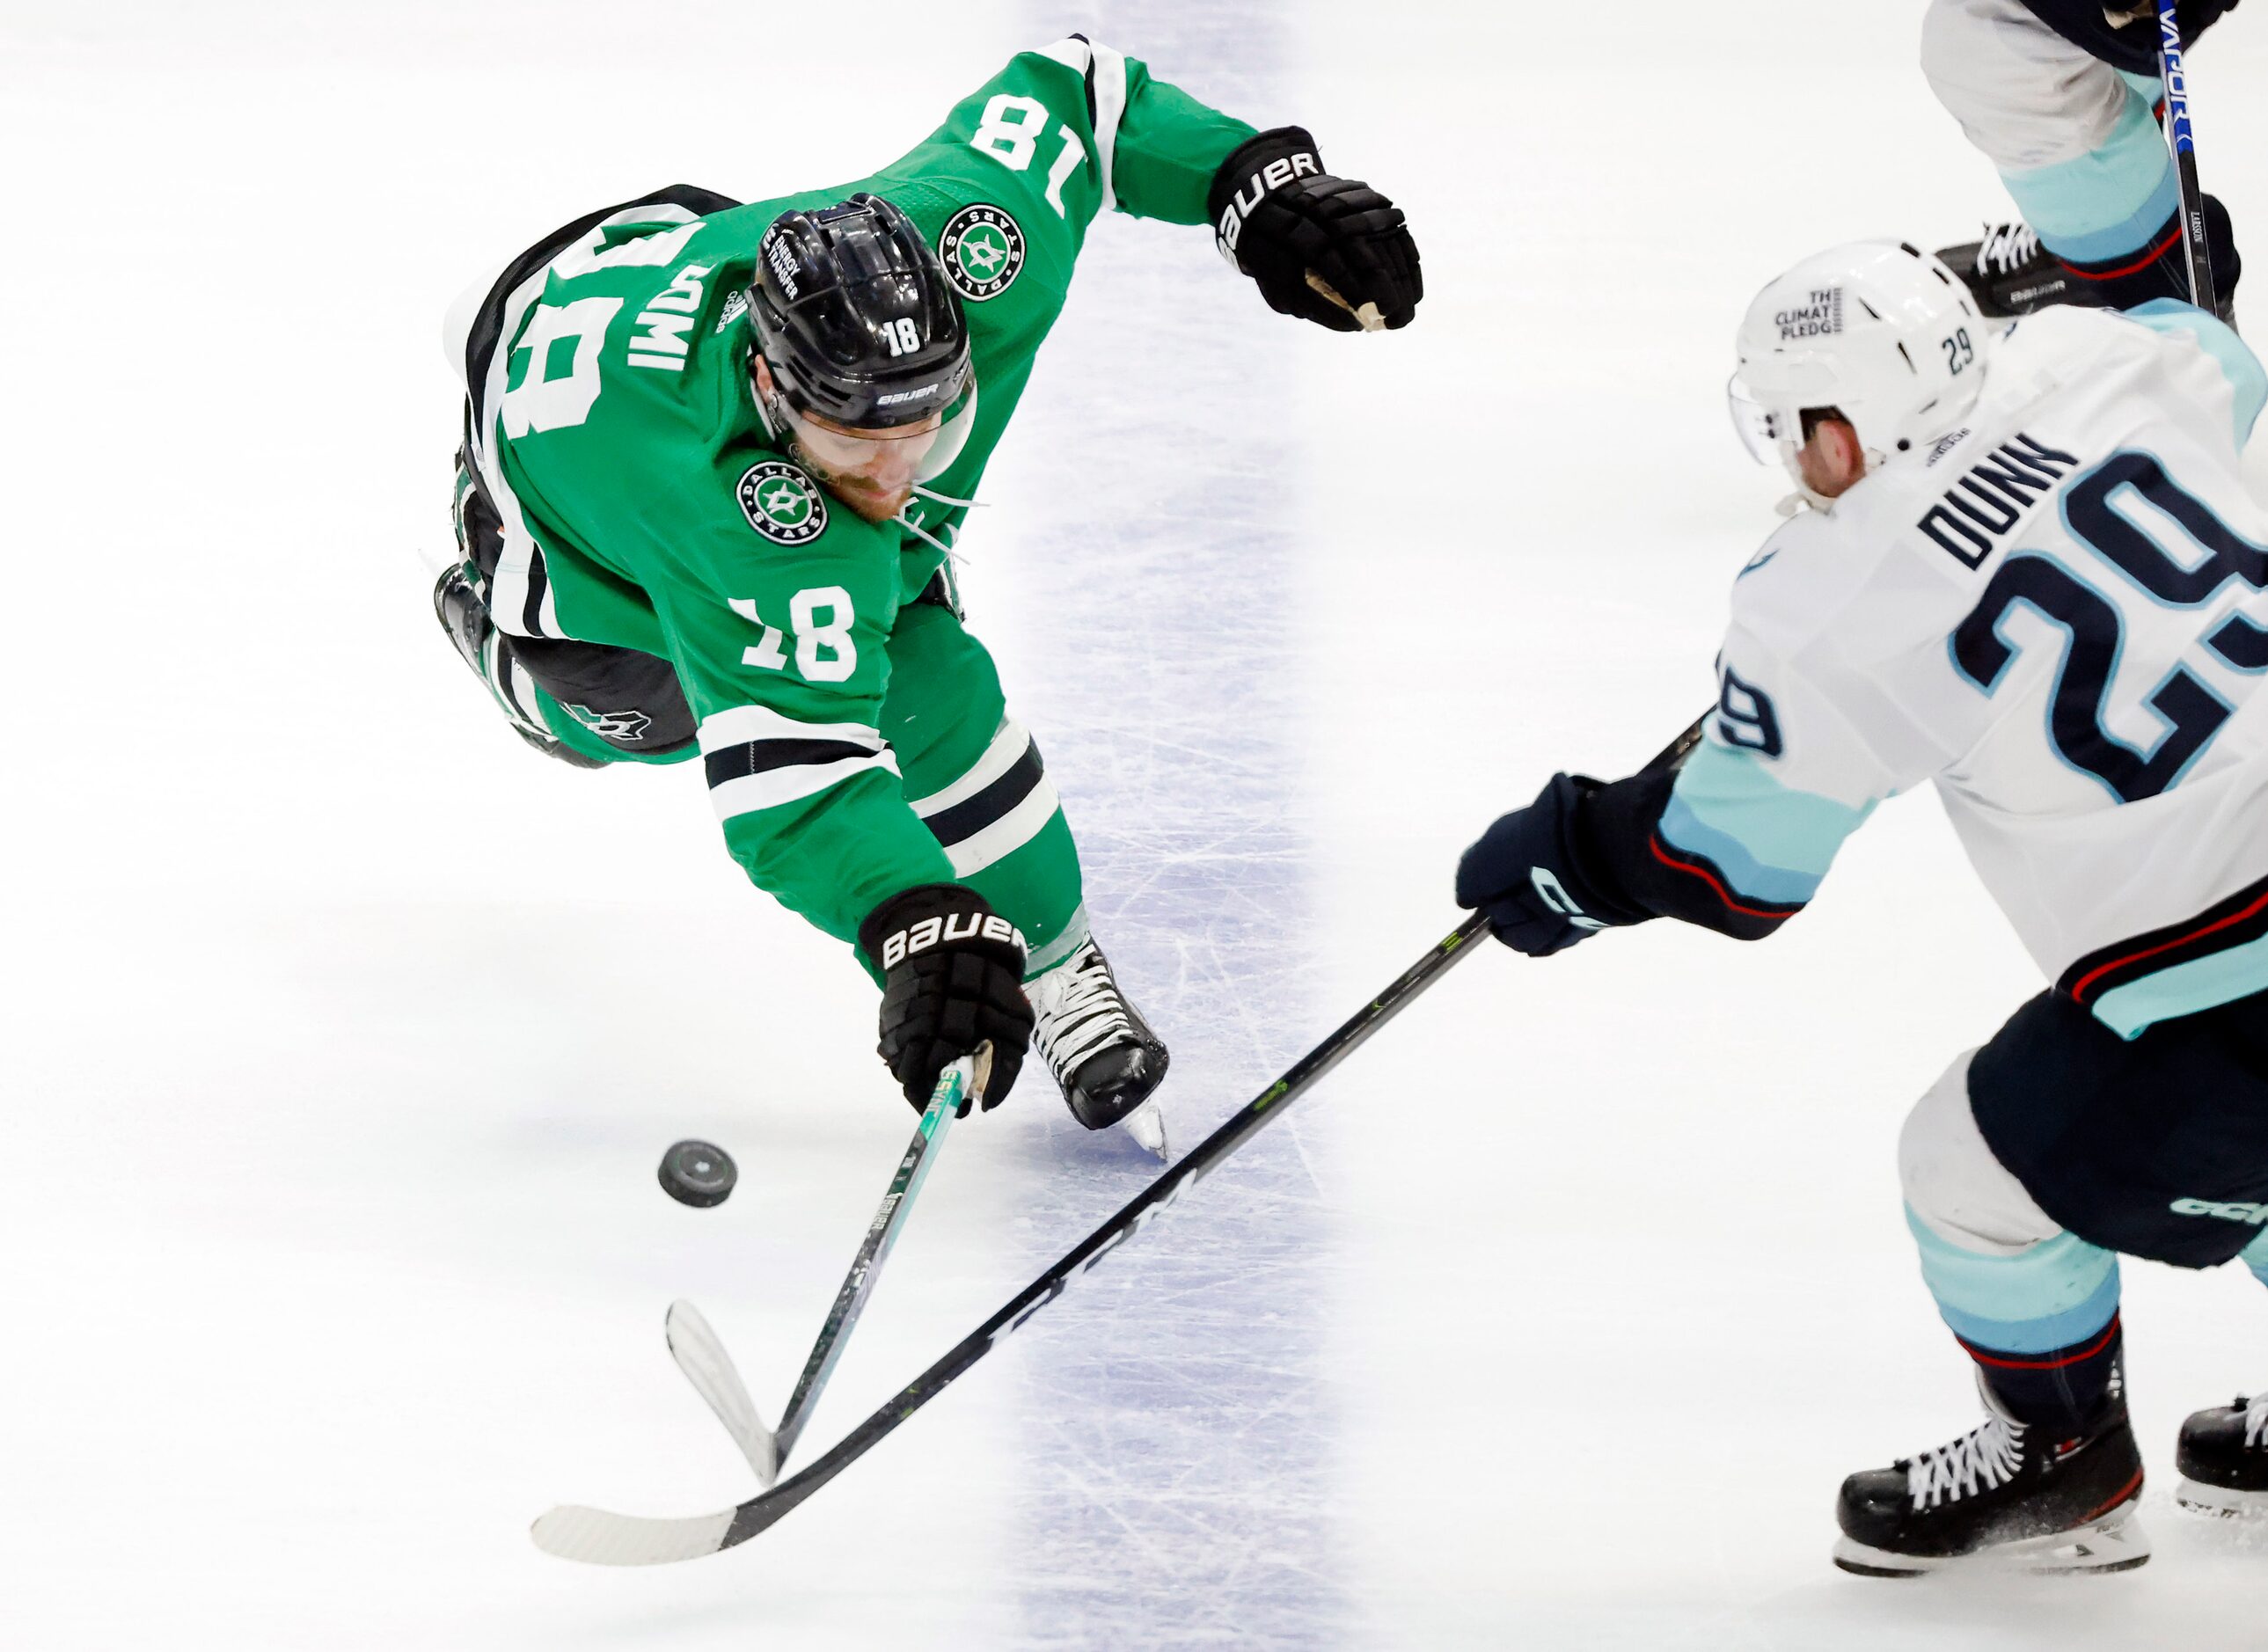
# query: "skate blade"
1146, 1124
2225, 1501
2115, 1543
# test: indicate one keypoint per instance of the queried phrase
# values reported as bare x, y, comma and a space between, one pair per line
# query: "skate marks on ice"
1177, 1437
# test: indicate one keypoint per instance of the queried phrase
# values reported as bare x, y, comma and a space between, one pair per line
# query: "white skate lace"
2009, 245
1078, 1011
1985, 1457
2255, 1420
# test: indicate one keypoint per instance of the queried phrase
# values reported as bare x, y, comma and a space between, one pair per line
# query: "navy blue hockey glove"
1333, 250
1527, 874
2123, 33
953, 977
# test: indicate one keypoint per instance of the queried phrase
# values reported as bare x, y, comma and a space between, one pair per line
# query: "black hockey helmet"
854, 317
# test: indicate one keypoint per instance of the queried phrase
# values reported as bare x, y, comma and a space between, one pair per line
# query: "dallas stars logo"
622, 726
781, 504
983, 251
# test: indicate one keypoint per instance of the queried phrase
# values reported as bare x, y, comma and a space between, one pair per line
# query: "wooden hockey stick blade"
700, 1354
1369, 315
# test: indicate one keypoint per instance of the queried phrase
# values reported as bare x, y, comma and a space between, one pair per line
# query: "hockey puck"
698, 1174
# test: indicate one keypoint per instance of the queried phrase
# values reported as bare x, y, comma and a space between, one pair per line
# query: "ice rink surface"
344, 1033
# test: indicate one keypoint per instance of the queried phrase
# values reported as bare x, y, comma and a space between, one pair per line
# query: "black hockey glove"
1528, 873
1326, 248
952, 976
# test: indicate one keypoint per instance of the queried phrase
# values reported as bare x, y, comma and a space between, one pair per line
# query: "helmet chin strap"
776, 421
765, 402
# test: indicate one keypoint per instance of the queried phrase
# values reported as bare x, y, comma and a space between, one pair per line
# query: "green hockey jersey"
647, 504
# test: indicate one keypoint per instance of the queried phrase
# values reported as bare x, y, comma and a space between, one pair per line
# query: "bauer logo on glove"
1331, 250
952, 971
950, 927
1271, 175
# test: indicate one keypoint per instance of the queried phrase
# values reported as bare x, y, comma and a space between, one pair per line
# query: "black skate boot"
457, 604
1102, 1053
2223, 1457
2010, 274
2002, 1493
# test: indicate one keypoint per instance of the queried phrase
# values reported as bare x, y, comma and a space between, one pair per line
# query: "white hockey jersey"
2057, 614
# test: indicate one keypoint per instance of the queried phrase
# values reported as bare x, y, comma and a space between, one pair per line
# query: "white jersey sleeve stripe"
516, 566
742, 725
1107, 78
1105, 73
1007, 834
1073, 53
746, 793
1009, 742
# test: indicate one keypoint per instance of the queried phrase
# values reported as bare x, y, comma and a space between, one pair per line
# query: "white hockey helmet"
1884, 334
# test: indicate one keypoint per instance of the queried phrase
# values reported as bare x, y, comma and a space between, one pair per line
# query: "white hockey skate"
1104, 1057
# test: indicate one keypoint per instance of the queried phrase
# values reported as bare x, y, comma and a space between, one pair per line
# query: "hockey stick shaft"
959, 1085
1207, 1156
580, 1533
577, 1533
2173, 76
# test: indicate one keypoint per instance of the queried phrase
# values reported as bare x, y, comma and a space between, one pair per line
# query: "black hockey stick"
577, 1533
1674, 754
2174, 78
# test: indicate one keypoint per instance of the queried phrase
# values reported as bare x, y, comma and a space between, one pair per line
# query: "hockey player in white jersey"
2029, 570
2063, 97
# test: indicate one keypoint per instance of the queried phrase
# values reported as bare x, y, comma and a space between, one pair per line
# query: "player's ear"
1849, 453
1836, 456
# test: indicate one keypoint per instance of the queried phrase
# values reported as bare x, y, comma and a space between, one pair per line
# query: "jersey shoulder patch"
982, 249
782, 502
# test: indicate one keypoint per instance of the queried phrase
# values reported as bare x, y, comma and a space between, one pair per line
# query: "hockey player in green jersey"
715, 458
